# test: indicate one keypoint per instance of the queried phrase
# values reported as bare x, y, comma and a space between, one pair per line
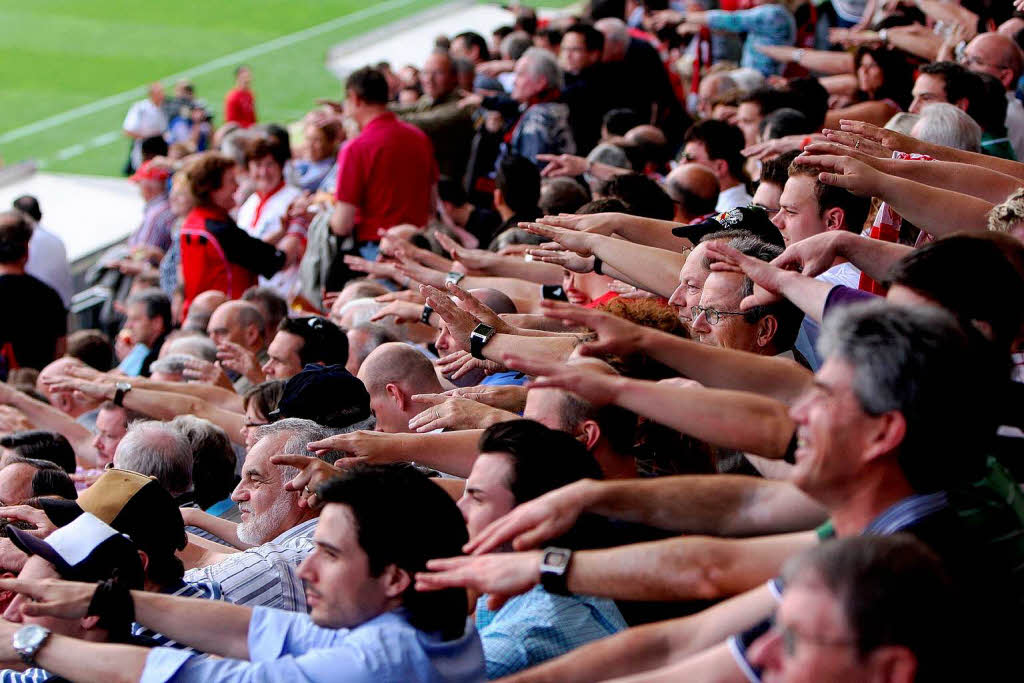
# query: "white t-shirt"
146, 119
734, 197
268, 221
48, 261
845, 274
1015, 123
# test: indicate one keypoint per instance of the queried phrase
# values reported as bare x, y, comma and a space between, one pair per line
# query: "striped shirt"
26, 676
157, 223
264, 576
208, 590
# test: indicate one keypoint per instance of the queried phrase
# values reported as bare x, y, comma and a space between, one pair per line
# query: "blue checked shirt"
764, 25
537, 626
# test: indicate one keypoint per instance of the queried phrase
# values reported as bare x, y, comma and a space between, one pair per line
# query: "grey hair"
515, 45
250, 315
302, 432
948, 125
540, 62
361, 310
918, 361
614, 30
173, 364
194, 346
159, 450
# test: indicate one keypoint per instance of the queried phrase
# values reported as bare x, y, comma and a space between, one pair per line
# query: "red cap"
150, 171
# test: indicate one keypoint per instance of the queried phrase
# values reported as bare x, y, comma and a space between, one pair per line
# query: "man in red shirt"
386, 174
239, 105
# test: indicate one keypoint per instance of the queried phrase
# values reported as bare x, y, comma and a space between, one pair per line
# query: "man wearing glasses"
995, 54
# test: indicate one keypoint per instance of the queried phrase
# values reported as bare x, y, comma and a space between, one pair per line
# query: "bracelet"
427, 312
597, 264
799, 55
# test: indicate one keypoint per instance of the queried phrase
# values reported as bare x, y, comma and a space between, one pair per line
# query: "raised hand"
889, 139
510, 397
573, 240
812, 255
597, 387
363, 447
534, 522
847, 173
402, 311
850, 142
52, 597
312, 473
501, 576
234, 357
559, 165
449, 412
614, 335
479, 309
460, 323
460, 363
766, 277
552, 252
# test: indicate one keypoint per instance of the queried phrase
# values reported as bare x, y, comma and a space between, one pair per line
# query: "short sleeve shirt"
34, 319
387, 172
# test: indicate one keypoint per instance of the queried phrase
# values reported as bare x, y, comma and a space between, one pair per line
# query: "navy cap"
328, 395
752, 219
87, 549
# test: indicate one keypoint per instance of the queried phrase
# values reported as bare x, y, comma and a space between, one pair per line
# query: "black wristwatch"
425, 316
480, 335
122, 388
554, 570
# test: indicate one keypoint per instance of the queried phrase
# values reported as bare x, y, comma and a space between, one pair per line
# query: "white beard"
263, 528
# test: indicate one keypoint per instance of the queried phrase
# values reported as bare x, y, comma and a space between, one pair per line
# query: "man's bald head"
646, 134
496, 300
995, 54
201, 308
237, 321
393, 373
694, 190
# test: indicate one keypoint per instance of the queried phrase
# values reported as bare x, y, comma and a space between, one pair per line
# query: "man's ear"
589, 434
962, 103
886, 435
89, 623
767, 328
892, 664
499, 198
252, 335
144, 559
396, 394
720, 167
395, 580
834, 218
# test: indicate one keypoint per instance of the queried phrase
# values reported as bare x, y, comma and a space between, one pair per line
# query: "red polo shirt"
240, 107
387, 172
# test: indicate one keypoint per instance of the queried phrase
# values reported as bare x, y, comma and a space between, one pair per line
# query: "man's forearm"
449, 452
937, 212
651, 268
717, 504
557, 347
737, 420
532, 271
651, 232
873, 257
976, 181
229, 400
807, 293
48, 417
88, 662
722, 368
211, 626
690, 568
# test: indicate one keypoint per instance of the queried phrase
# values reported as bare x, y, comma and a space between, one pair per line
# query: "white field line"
227, 60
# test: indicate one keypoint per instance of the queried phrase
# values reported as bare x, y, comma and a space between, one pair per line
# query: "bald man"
711, 88
202, 308
694, 192
393, 373
999, 56
241, 323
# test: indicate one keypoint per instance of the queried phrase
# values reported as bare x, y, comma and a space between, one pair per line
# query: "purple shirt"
157, 221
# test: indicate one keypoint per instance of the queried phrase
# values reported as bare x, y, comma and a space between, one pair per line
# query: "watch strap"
479, 337
425, 316
120, 392
554, 577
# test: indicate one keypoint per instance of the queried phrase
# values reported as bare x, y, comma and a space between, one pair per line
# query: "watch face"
29, 637
556, 559
123, 386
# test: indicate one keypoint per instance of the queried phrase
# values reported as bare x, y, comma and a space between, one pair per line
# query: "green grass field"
60, 55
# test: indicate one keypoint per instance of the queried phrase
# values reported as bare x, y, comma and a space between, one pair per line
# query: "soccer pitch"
71, 68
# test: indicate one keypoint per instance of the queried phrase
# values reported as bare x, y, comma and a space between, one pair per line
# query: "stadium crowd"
652, 342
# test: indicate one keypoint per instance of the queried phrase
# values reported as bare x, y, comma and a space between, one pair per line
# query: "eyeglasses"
970, 60
790, 637
771, 212
713, 317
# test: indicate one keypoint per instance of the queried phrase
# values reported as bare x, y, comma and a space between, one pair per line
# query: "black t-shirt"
32, 319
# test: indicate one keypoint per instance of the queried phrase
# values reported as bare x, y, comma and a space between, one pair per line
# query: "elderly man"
999, 56
276, 531
237, 327
158, 450
693, 189
24, 478
543, 126
438, 114
379, 528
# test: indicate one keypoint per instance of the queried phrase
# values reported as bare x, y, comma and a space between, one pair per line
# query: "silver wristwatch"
27, 640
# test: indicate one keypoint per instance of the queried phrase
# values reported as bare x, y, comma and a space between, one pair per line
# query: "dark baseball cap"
752, 219
328, 395
87, 549
131, 503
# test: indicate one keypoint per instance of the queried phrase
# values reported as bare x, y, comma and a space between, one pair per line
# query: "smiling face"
268, 510
340, 591
692, 276
832, 432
